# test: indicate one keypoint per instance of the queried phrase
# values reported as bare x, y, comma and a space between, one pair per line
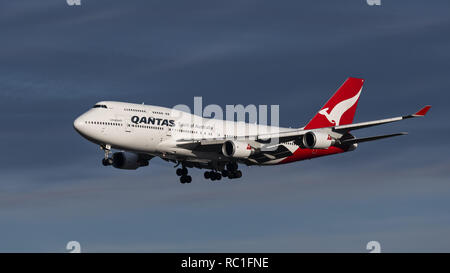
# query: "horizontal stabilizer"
365, 139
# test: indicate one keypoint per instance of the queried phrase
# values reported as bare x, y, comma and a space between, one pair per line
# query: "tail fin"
340, 108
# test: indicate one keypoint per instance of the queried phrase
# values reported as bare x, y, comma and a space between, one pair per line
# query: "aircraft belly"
185, 153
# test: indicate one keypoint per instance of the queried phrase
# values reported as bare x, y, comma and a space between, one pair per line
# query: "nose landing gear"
106, 161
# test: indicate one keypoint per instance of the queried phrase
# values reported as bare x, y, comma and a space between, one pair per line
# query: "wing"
365, 139
345, 128
342, 129
214, 144
255, 140
280, 152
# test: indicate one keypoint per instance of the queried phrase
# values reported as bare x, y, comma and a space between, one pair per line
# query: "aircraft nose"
78, 124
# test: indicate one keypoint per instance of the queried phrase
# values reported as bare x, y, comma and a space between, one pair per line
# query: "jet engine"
237, 149
127, 161
317, 140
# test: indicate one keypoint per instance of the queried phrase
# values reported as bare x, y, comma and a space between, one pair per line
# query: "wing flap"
264, 156
365, 139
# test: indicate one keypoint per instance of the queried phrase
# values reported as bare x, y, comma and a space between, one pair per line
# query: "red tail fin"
340, 108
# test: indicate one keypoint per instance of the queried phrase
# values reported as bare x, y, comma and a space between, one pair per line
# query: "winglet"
422, 112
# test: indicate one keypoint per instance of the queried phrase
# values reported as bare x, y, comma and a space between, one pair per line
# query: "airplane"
141, 132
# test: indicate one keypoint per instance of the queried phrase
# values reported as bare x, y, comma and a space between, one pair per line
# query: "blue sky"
56, 61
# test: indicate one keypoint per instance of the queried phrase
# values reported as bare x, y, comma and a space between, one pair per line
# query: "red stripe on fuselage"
302, 154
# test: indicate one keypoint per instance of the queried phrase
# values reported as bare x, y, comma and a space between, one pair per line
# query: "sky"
57, 60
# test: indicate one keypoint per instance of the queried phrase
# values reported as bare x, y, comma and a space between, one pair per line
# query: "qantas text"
153, 121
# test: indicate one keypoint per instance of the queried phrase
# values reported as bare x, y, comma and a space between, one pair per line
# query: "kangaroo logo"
339, 109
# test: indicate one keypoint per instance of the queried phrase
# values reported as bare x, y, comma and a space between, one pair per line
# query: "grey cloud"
55, 62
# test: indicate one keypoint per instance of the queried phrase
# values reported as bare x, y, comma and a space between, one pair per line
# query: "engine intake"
317, 140
237, 149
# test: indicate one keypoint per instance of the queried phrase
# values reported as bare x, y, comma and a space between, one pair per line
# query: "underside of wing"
365, 139
263, 156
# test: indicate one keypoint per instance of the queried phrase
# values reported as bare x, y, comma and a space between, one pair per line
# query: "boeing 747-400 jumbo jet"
142, 132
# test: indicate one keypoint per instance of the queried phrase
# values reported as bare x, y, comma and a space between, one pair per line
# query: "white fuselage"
157, 130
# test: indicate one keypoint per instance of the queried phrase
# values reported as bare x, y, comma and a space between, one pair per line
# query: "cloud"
55, 62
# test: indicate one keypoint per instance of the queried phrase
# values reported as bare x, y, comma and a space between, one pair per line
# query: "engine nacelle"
317, 140
127, 161
237, 149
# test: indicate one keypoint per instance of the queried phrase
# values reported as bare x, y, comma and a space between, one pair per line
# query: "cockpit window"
100, 106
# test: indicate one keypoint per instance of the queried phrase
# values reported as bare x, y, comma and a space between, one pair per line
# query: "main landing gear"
213, 175
183, 174
231, 172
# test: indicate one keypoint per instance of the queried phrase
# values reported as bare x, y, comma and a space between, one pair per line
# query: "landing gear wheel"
107, 161
215, 176
185, 179
232, 166
225, 173
235, 174
182, 171
212, 176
